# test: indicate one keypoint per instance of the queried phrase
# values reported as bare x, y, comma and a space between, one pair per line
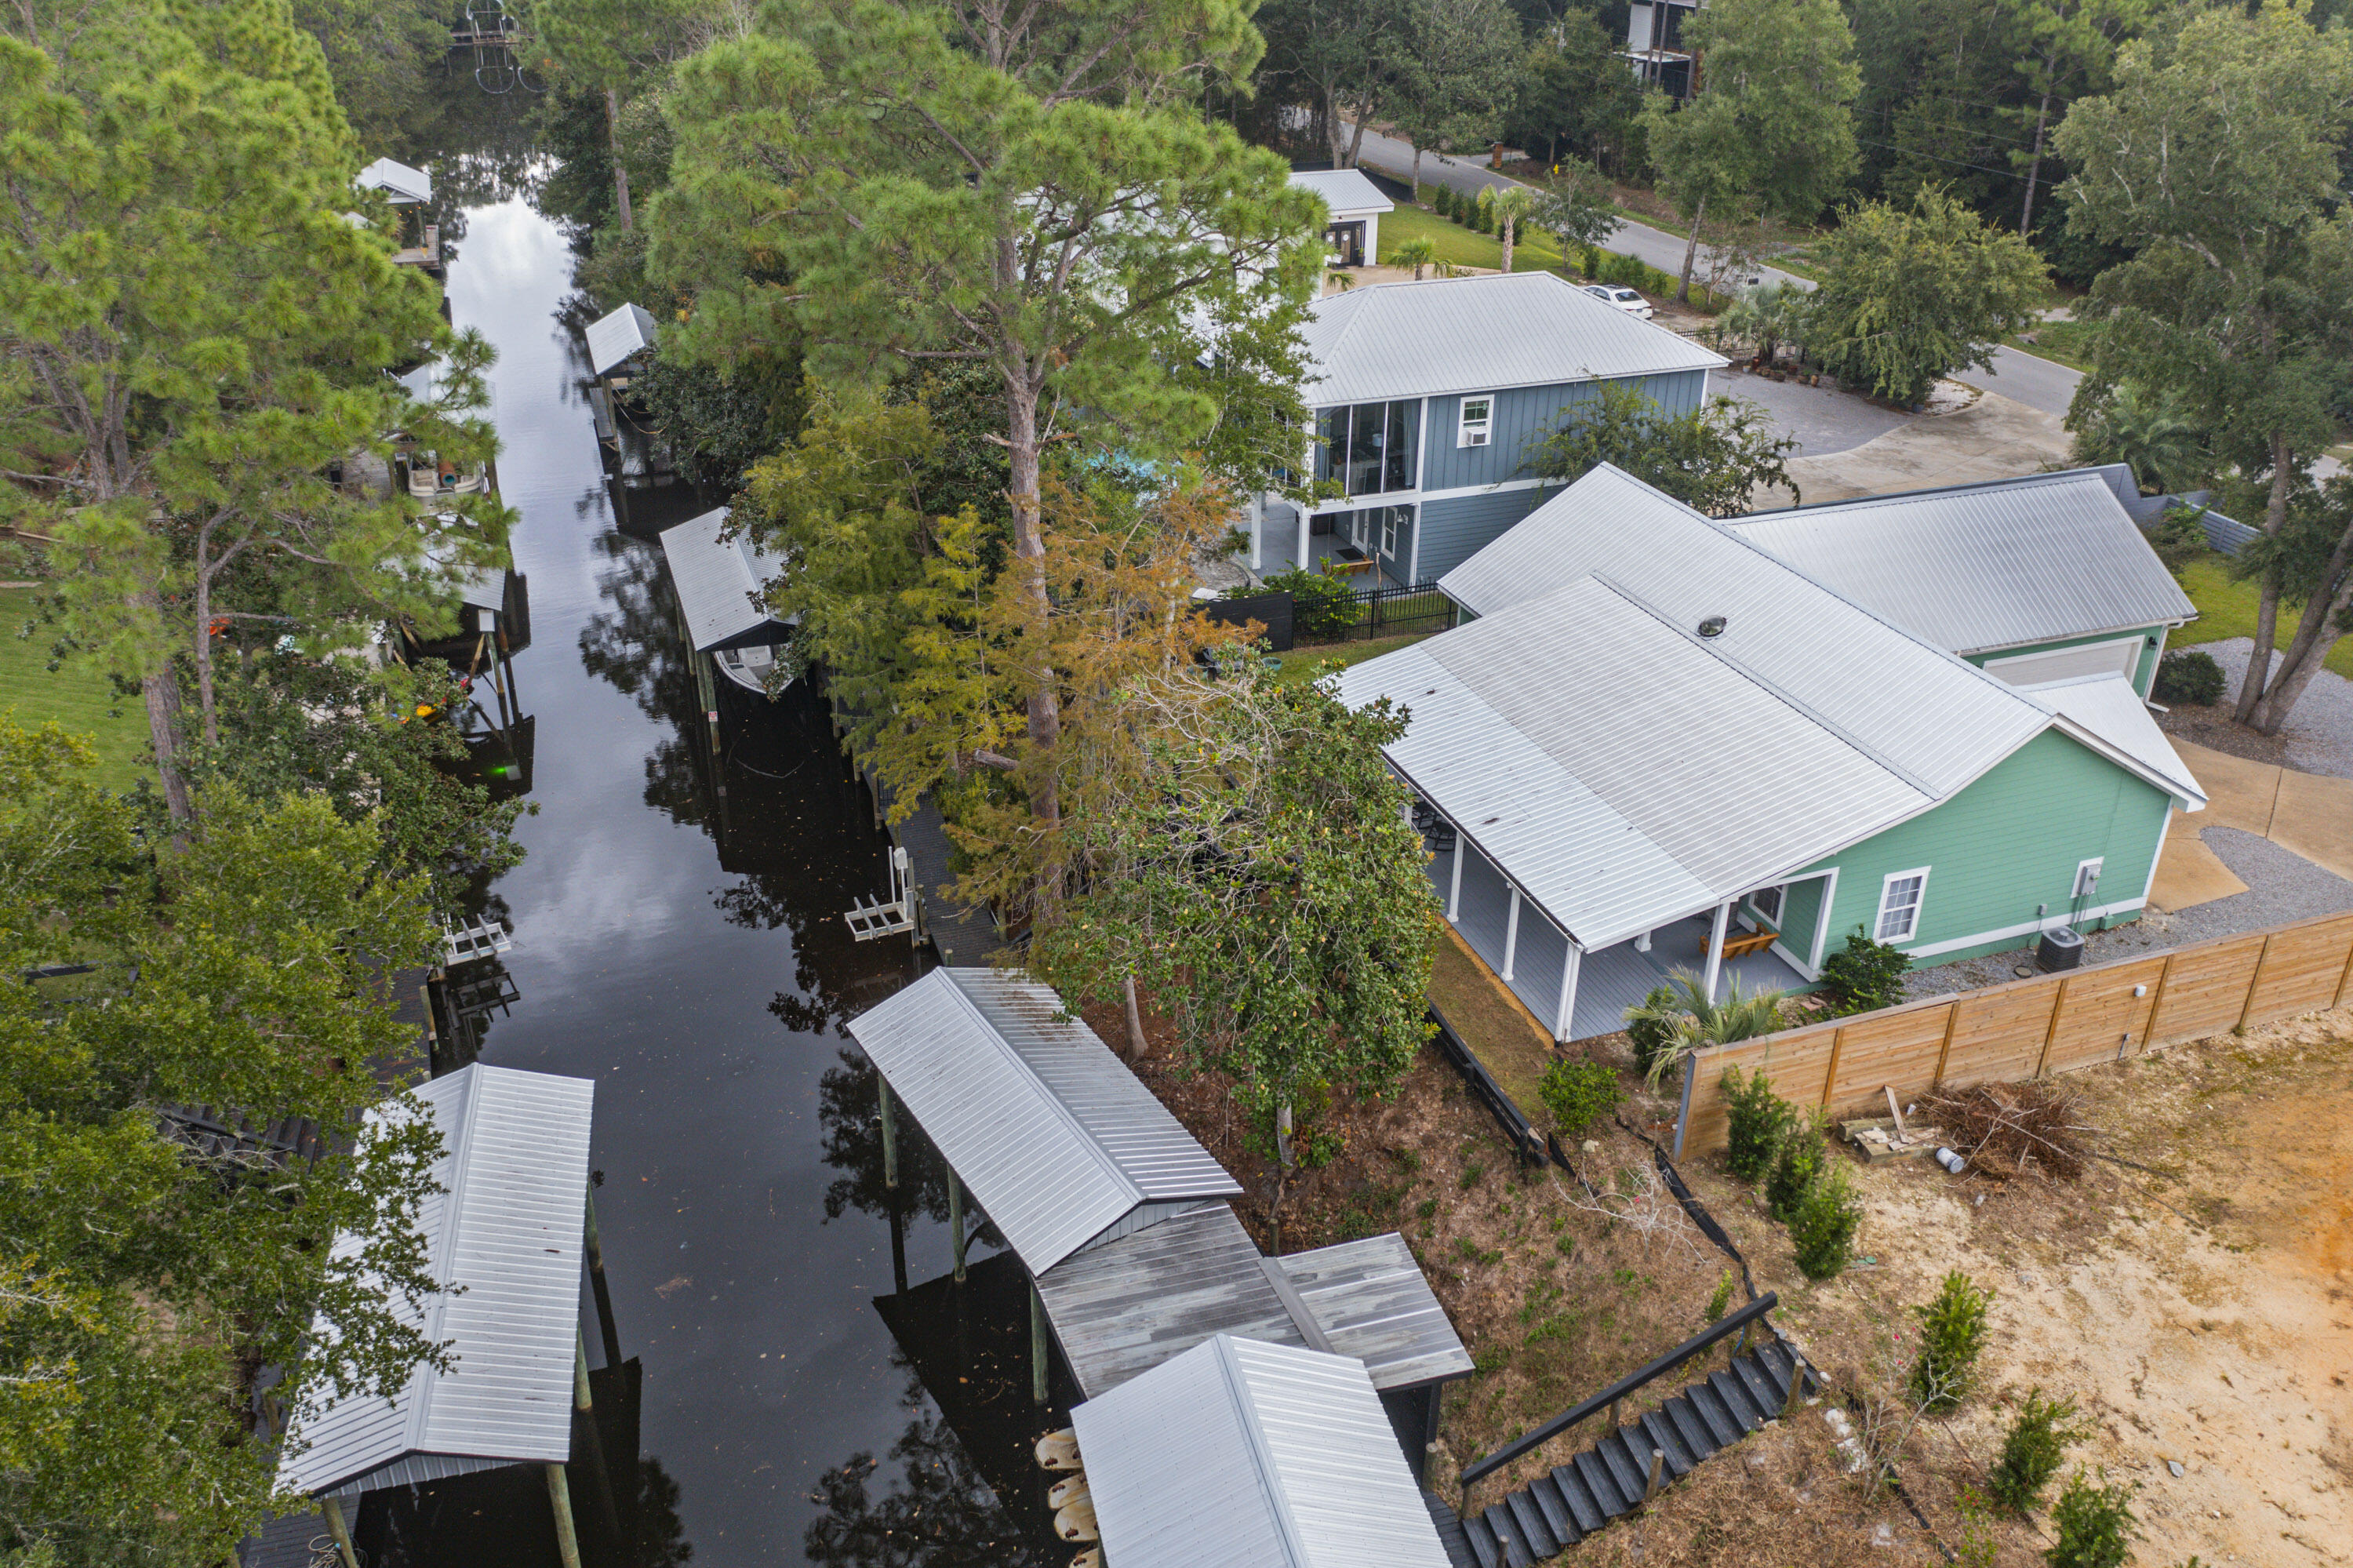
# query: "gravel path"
2281, 886
2319, 733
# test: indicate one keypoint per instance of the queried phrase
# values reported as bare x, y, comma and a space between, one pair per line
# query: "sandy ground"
2203, 1319
1993, 438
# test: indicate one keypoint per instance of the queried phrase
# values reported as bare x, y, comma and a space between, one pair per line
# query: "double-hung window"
1478, 422
1899, 904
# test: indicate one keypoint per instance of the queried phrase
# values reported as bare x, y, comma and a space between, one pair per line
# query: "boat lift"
867, 921
479, 939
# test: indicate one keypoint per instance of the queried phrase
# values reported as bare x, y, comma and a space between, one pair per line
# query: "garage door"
2119, 658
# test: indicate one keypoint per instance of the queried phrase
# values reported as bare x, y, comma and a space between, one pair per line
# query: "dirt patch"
2212, 728
2200, 1310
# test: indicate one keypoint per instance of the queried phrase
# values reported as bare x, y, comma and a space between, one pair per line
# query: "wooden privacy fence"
2052, 1024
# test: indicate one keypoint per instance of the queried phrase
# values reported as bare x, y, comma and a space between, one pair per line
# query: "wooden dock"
963, 934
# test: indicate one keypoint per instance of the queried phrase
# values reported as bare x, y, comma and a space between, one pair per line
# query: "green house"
1656, 744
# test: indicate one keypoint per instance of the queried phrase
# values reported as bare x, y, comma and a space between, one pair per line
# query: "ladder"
867, 921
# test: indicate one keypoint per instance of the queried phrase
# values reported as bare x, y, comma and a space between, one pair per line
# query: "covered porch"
1367, 547
1575, 993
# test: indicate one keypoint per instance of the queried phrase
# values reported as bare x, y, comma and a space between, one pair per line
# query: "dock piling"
889, 1134
334, 1508
559, 1496
1037, 1345
955, 1220
595, 1248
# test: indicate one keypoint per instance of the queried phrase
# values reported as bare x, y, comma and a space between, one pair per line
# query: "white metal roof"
1056, 1140
1345, 191
2107, 713
612, 338
405, 185
1244, 1454
1981, 567
504, 1239
719, 582
1626, 770
1480, 334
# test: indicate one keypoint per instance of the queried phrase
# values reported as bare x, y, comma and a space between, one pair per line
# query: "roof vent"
1712, 627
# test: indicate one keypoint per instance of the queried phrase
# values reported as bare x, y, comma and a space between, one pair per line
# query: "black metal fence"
1392, 611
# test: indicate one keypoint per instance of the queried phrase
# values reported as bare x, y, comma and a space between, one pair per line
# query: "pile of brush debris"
2013, 1130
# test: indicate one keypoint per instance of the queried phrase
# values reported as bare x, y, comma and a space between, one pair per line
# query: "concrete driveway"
1993, 438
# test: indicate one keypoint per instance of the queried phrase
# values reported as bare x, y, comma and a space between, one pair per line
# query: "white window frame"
1357, 531
1478, 432
1879, 932
1780, 892
2094, 865
1388, 532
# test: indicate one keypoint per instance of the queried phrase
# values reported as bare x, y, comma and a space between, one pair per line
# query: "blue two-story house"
1430, 401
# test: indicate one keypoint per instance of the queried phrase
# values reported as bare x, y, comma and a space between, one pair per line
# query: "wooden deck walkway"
964, 936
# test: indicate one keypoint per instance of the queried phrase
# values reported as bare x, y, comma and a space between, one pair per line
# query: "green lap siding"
2007, 842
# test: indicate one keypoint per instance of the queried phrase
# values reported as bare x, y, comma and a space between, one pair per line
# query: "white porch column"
1454, 881
1511, 933
1299, 560
1567, 1012
1258, 531
1716, 946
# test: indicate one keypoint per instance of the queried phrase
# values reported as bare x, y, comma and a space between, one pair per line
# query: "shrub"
1652, 1030
2180, 538
2188, 676
2093, 1523
1952, 1332
1827, 1219
1760, 1119
1799, 1160
1864, 974
1722, 1298
1321, 608
1441, 202
1593, 263
1579, 1093
2037, 1440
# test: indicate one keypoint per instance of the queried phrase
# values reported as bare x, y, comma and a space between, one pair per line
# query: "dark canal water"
684, 947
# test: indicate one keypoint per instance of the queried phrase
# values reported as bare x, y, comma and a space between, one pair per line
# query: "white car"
1628, 299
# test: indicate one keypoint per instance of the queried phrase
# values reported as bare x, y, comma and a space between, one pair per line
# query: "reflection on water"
680, 941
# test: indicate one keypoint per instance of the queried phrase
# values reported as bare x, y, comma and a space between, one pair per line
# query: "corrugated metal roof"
2108, 711
1122, 1309
718, 581
1981, 567
612, 338
504, 1238
1626, 770
1244, 1454
1343, 190
1056, 1140
404, 185
1478, 334
1372, 1302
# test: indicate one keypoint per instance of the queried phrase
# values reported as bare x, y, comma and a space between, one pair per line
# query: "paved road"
2036, 382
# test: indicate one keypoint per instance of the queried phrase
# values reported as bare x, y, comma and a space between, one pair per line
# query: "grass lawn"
81, 700
2227, 609
1464, 247
1309, 660
2069, 342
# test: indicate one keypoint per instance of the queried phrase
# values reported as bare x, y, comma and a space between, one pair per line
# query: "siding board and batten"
504, 1241
1243, 1454
2052, 1024
1058, 1142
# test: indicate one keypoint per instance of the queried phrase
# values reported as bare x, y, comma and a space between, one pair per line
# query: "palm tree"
1418, 253
1512, 205
1693, 1020
2147, 432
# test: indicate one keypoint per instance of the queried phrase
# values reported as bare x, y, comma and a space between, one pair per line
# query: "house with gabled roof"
1657, 745
1430, 402
2040, 578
